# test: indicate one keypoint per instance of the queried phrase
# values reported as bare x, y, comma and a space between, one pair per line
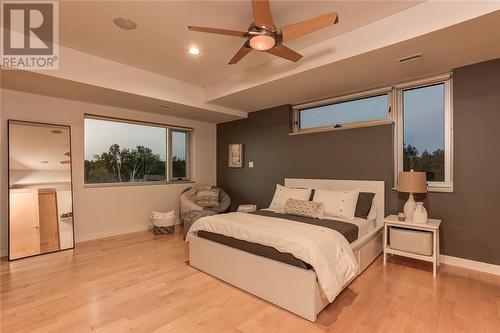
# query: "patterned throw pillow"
305, 208
208, 198
202, 187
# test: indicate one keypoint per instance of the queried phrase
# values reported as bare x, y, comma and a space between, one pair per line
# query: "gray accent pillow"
364, 204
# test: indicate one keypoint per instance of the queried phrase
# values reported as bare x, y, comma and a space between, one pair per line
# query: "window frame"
296, 109
168, 162
447, 80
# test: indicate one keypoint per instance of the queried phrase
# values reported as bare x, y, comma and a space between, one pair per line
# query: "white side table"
247, 208
432, 226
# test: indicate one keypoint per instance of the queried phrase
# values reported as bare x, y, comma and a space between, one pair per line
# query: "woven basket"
162, 226
163, 230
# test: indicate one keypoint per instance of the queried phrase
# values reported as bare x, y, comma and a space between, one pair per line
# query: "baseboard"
470, 264
98, 235
4, 252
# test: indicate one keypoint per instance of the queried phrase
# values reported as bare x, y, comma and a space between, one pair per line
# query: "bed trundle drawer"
369, 252
413, 241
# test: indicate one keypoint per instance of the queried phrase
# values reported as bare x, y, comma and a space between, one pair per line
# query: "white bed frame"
292, 288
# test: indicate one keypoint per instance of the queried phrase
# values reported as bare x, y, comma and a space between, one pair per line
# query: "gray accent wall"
471, 214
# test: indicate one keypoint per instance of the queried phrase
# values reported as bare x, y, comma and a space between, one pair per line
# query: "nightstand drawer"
413, 241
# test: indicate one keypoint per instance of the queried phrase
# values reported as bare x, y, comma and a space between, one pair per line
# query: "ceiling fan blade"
262, 13
218, 31
296, 30
284, 52
243, 51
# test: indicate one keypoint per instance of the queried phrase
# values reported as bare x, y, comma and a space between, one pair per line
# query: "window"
125, 152
422, 115
366, 108
424, 131
179, 148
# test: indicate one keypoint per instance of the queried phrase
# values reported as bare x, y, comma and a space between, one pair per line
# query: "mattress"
350, 230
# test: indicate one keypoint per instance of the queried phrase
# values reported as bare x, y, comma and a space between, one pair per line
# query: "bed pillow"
282, 194
364, 204
338, 203
207, 198
305, 208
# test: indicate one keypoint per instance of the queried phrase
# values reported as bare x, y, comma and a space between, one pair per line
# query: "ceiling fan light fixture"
262, 42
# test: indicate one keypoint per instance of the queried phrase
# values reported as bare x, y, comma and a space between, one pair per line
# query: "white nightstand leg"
385, 244
434, 250
438, 248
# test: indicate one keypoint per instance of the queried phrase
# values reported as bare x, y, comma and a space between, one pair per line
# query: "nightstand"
432, 227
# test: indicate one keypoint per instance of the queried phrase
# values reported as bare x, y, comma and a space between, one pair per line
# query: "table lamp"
411, 182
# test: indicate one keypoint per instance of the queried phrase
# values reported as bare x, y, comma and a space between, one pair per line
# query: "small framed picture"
235, 155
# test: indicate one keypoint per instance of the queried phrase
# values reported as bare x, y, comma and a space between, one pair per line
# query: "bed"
281, 278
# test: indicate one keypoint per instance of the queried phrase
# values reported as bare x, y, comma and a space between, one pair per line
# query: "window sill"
343, 127
435, 189
172, 182
183, 181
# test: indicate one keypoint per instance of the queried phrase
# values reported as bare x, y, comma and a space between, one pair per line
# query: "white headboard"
373, 186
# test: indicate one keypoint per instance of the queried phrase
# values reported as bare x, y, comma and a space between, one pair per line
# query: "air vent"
409, 58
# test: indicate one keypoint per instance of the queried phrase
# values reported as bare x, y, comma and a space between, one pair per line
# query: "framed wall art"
235, 157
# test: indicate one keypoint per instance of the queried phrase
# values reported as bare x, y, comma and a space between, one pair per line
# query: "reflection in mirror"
40, 197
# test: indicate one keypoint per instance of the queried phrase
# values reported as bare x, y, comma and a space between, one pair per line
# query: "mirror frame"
9, 122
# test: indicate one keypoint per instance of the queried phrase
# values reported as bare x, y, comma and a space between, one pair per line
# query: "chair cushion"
224, 203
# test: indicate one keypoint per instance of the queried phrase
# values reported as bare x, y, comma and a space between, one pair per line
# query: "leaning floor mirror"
40, 189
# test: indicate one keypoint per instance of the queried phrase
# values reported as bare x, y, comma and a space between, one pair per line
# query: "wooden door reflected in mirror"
40, 189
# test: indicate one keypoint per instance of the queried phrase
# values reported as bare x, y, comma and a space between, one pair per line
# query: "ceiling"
29, 144
149, 67
160, 42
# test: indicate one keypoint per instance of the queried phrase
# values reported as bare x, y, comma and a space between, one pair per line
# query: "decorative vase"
420, 213
409, 207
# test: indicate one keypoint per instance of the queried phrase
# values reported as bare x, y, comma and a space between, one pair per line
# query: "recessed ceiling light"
44, 162
194, 51
125, 23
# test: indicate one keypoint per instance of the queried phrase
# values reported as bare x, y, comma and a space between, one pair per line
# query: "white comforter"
326, 250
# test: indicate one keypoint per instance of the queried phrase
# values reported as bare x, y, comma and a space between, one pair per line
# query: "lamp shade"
412, 182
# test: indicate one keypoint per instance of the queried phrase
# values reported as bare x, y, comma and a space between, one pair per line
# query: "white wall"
103, 211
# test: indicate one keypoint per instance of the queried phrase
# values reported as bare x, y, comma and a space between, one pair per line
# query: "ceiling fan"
263, 35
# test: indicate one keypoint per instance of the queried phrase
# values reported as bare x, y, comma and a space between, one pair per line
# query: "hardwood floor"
141, 283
